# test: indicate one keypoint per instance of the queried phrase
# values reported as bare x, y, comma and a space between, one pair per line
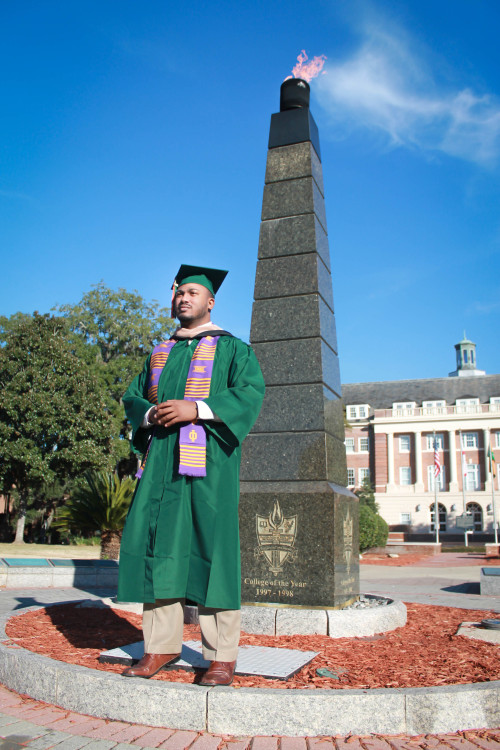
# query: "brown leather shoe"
150, 664
219, 673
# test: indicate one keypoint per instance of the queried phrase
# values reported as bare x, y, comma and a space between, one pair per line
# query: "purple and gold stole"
192, 437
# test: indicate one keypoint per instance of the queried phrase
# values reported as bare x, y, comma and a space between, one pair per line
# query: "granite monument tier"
298, 522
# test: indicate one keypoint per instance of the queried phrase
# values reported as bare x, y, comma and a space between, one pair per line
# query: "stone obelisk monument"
298, 522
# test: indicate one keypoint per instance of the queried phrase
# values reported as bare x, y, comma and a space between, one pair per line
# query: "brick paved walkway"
26, 723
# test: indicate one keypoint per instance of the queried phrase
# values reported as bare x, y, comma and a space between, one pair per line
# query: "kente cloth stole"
192, 437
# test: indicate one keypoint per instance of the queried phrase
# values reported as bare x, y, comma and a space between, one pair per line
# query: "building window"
469, 440
403, 408
349, 445
350, 478
430, 441
404, 443
472, 477
497, 442
434, 407
468, 405
431, 479
441, 514
363, 474
405, 518
477, 515
495, 403
405, 475
364, 444
358, 412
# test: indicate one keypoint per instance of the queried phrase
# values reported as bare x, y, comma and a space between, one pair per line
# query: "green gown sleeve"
136, 405
238, 406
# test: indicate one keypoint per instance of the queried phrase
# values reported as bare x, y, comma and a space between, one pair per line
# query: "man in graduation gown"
181, 538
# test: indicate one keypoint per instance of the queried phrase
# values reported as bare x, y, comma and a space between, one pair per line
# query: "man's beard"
187, 316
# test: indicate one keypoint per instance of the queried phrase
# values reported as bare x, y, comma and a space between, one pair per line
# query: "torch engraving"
276, 536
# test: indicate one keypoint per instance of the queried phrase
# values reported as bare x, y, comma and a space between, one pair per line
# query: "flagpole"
493, 474
494, 510
463, 484
436, 514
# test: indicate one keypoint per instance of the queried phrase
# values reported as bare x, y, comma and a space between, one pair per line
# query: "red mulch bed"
378, 558
424, 652
466, 560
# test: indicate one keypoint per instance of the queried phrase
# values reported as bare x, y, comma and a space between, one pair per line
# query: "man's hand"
172, 412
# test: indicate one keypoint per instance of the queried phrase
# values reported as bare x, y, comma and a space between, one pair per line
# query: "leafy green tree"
54, 424
11, 324
100, 504
120, 329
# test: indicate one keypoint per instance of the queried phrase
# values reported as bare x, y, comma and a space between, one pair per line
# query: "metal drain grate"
277, 663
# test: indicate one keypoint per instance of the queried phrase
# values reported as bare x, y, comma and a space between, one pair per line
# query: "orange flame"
308, 70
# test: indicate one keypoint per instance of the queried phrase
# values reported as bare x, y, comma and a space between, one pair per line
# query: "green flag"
493, 465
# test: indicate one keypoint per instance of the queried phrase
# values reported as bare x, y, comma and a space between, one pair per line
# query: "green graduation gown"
181, 537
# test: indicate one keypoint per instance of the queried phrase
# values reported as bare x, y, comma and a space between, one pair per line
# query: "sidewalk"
444, 579
39, 726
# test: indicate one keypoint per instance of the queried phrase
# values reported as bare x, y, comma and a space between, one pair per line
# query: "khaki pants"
163, 622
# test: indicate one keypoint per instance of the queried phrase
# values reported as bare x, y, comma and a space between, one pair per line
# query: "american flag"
464, 465
437, 462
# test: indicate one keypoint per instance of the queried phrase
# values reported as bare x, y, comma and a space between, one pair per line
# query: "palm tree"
100, 505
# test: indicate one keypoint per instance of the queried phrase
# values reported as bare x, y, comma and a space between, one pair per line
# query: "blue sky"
133, 137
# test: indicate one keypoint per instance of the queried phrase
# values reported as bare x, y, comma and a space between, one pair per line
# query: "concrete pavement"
27, 723
442, 580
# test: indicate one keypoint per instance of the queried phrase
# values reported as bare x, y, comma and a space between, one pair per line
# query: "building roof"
382, 395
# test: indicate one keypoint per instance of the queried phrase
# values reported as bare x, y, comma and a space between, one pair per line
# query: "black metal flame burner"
294, 94
294, 122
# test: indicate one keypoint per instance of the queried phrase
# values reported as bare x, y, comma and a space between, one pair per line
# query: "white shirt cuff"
145, 420
204, 411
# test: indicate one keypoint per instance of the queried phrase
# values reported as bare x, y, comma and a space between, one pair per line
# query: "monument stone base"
299, 544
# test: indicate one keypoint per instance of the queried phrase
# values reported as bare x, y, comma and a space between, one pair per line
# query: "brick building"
391, 436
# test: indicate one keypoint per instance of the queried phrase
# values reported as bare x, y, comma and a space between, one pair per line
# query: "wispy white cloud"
483, 308
14, 194
387, 85
150, 51
389, 282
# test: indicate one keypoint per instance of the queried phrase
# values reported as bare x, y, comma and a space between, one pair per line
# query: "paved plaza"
444, 580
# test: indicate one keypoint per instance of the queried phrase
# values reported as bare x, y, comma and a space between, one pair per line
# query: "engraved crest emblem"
348, 534
276, 536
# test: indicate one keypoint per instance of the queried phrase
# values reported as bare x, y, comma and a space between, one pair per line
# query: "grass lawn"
75, 551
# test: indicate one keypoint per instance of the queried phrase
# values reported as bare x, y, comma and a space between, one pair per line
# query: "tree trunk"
21, 518
110, 545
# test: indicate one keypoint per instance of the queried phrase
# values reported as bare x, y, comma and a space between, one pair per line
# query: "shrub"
84, 541
366, 494
373, 530
381, 532
367, 527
